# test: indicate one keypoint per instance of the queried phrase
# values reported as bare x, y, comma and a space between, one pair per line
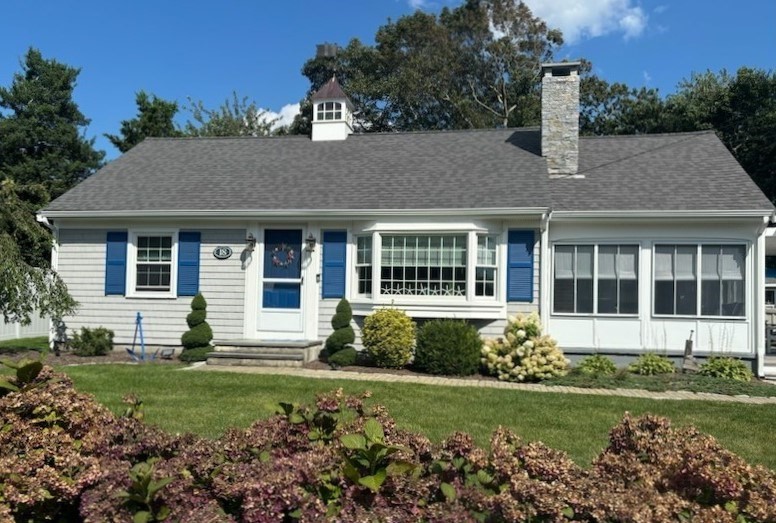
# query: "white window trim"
595, 312
131, 282
337, 108
465, 306
698, 279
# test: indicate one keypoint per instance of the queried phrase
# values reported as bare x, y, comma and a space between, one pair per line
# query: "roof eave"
664, 214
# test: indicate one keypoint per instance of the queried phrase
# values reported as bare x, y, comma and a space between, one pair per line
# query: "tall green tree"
608, 109
473, 66
235, 117
42, 129
27, 283
154, 118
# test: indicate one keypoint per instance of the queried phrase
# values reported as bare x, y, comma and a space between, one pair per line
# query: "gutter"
302, 213
667, 214
43, 220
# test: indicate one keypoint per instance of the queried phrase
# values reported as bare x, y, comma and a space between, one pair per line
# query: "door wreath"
287, 250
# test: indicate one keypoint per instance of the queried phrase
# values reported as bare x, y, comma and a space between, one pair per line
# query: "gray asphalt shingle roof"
482, 169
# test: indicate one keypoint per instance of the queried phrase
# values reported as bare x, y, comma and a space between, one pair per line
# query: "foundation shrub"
65, 458
726, 367
523, 354
651, 364
449, 347
344, 357
388, 336
199, 334
343, 334
597, 365
92, 342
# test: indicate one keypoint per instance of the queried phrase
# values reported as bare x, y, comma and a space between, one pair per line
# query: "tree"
154, 118
41, 128
27, 283
741, 109
471, 67
609, 109
235, 117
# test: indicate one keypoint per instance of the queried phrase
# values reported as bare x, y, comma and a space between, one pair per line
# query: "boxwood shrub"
388, 336
449, 347
92, 342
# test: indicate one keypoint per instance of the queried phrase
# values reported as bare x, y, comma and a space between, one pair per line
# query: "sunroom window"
706, 280
423, 265
153, 269
329, 111
596, 279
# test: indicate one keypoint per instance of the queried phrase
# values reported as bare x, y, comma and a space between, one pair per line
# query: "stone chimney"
560, 118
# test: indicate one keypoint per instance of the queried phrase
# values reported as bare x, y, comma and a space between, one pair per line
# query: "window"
770, 297
485, 271
706, 280
364, 265
153, 267
618, 279
423, 265
573, 290
596, 279
330, 111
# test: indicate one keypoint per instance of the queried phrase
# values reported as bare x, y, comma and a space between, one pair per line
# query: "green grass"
666, 382
39, 343
207, 403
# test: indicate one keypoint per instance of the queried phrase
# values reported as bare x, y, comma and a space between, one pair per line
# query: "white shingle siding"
81, 264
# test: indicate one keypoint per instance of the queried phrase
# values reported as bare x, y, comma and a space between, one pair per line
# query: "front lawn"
40, 343
207, 403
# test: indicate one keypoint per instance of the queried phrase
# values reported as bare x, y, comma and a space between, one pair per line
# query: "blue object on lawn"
131, 352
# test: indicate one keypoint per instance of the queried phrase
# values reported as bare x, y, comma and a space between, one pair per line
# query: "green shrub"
343, 358
199, 334
343, 334
524, 354
388, 337
198, 354
449, 347
597, 364
726, 367
92, 342
650, 364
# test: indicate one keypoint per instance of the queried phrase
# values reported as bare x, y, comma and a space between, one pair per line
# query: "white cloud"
418, 4
647, 77
285, 116
591, 18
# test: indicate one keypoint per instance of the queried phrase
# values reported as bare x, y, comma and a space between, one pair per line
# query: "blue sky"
206, 50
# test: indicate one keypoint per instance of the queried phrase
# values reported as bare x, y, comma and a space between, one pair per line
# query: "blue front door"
280, 313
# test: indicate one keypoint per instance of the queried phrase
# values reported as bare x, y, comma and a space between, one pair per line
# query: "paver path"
457, 382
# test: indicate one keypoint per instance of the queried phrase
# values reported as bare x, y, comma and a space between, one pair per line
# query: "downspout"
759, 317
54, 264
544, 269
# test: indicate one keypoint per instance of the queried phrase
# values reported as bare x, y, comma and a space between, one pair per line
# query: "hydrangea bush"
63, 457
523, 354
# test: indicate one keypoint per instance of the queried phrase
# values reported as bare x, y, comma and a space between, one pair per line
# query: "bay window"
485, 271
700, 280
423, 265
364, 265
596, 279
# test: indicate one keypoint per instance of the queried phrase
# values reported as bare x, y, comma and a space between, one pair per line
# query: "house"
623, 244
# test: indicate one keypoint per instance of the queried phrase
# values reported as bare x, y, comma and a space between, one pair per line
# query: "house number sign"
222, 252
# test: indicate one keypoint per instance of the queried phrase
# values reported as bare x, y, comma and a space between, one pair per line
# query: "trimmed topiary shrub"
597, 365
388, 337
343, 358
726, 367
92, 342
448, 347
343, 334
199, 335
651, 364
524, 354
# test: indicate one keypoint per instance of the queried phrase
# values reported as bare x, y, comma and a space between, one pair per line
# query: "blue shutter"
188, 263
116, 263
520, 264
334, 248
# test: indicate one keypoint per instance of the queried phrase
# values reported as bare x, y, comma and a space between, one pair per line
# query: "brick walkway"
457, 382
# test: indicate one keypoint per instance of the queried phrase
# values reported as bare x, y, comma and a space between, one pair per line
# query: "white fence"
11, 331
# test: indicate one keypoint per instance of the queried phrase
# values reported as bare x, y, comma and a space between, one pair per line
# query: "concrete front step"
282, 353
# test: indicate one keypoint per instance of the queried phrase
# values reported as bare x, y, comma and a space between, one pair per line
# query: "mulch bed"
118, 355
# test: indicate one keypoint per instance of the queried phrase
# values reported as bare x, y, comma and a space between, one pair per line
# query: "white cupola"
332, 113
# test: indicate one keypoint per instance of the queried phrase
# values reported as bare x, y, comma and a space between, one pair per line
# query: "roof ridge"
646, 135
